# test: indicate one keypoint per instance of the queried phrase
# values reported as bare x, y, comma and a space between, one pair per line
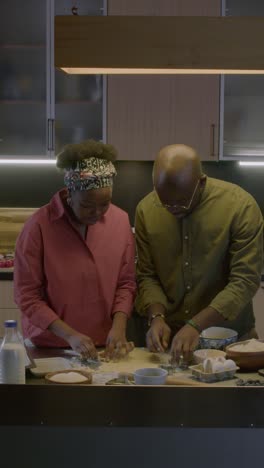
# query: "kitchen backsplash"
34, 186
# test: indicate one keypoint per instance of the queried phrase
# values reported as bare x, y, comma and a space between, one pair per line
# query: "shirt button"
186, 311
188, 287
186, 237
186, 263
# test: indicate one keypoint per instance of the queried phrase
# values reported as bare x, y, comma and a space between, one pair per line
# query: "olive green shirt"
212, 257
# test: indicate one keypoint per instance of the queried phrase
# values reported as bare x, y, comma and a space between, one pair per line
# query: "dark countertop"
128, 406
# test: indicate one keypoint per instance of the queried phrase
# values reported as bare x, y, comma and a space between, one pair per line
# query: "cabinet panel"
6, 295
42, 109
78, 98
164, 7
243, 100
23, 78
258, 305
145, 113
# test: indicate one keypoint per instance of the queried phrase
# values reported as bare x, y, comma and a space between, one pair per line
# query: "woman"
74, 262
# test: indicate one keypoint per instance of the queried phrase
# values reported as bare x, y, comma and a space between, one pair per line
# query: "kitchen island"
117, 425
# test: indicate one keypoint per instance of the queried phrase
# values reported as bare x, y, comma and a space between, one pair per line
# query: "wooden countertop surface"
138, 358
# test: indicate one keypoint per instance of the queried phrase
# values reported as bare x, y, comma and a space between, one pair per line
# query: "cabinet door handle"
50, 134
212, 141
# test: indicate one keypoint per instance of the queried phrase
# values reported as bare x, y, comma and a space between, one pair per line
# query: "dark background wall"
33, 186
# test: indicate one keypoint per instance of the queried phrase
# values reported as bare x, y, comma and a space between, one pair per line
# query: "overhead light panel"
159, 44
251, 163
26, 162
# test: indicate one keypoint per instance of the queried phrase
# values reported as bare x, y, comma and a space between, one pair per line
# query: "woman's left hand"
117, 345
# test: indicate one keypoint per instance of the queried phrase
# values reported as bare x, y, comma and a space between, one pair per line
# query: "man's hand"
158, 336
82, 344
184, 343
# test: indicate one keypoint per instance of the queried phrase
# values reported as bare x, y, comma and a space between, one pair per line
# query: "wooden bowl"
88, 377
248, 361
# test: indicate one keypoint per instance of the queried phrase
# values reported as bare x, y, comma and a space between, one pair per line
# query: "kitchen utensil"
184, 381
86, 362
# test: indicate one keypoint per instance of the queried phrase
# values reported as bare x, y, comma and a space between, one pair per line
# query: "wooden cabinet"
258, 305
8, 309
145, 113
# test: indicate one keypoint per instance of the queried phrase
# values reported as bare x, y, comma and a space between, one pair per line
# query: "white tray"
46, 365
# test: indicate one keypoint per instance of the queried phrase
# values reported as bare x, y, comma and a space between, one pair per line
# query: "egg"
221, 359
207, 365
230, 365
218, 367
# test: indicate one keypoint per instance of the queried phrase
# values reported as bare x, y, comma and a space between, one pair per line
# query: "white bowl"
150, 376
217, 337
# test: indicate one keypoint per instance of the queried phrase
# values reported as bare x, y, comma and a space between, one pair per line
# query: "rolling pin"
174, 380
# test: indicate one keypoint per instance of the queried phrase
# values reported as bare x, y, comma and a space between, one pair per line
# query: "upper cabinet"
23, 77
243, 101
41, 109
145, 113
78, 110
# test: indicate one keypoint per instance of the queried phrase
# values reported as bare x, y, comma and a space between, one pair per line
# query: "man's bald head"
178, 165
178, 178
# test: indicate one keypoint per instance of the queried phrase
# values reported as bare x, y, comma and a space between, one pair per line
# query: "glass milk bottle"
12, 356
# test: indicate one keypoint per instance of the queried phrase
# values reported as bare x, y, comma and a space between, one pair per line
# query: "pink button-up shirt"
58, 274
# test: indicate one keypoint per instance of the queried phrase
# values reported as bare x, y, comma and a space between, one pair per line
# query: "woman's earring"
69, 201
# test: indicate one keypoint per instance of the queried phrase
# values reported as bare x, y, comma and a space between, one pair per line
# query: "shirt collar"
57, 207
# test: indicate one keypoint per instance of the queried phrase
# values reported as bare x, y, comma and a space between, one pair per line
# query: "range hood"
159, 44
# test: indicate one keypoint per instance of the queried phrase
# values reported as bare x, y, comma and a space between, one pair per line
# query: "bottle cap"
10, 323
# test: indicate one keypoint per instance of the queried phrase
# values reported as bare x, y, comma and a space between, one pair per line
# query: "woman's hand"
117, 345
82, 344
184, 343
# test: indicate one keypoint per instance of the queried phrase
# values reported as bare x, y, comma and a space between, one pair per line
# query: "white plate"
46, 365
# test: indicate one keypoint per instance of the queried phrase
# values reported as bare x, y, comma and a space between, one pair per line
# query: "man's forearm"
208, 317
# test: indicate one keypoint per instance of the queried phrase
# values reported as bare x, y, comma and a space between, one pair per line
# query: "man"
199, 243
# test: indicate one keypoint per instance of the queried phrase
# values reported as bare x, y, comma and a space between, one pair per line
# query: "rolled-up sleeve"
126, 286
29, 277
150, 290
245, 260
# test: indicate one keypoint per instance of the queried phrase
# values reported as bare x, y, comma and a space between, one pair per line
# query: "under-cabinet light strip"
32, 162
251, 163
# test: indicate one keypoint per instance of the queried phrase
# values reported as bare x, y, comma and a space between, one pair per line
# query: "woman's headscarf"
92, 173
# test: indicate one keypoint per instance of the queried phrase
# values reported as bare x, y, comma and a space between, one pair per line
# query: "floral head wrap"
91, 173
